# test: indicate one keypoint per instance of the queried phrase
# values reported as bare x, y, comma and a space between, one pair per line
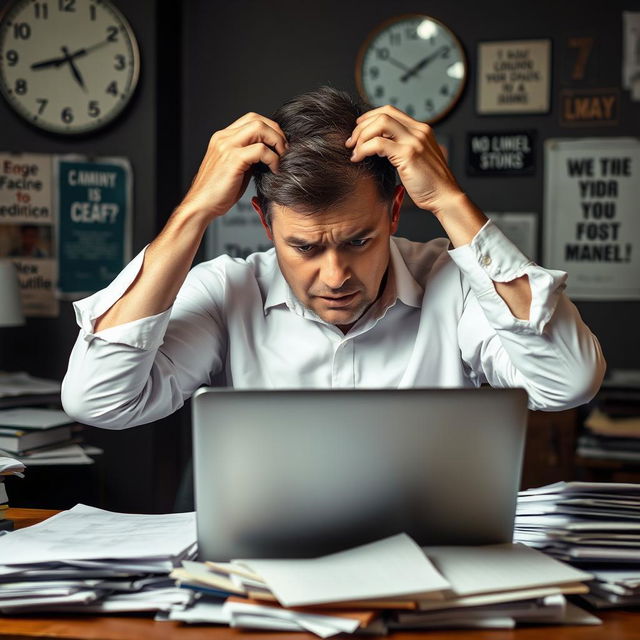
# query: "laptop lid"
307, 472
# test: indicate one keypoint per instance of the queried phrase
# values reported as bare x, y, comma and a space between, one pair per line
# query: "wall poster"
520, 228
94, 222
514, 77
27, 228
592, 227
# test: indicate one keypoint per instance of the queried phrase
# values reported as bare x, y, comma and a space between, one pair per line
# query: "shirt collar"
401, 285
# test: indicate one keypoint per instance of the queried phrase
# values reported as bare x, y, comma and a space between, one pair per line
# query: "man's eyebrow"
352, 236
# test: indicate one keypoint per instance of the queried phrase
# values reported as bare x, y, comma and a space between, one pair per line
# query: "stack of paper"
93, 560
8, 467
38, 436
595, 525
389, 584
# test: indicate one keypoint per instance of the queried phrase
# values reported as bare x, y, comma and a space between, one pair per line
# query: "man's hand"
225, 172
412, 149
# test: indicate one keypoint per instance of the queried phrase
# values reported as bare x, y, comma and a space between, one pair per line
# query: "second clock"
415, 63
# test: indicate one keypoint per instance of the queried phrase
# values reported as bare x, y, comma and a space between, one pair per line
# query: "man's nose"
334, 271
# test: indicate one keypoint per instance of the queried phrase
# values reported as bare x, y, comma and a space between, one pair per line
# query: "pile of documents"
87, 559
593, 525
38, 436
386, 585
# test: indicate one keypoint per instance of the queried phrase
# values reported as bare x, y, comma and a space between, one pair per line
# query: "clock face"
414, 63
68, 66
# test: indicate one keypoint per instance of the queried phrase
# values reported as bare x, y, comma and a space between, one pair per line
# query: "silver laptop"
303, 473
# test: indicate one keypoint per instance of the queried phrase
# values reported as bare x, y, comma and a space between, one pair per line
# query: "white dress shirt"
438, 323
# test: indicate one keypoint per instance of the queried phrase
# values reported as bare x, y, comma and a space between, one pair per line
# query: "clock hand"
422, 64
85, 50
52, 62
397, 63
74, 70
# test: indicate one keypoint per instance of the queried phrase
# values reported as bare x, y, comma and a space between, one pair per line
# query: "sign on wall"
514, 77
520, 228
27, 228
592, 227
582, 107
501, 153
94, 211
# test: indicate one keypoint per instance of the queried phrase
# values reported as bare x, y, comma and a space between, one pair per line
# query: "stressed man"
338, 302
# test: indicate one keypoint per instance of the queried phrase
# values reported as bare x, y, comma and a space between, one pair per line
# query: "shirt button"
485, 260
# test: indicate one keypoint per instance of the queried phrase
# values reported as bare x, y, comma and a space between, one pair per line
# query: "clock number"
410, 110
43, 103
393, 100
411, 33
374, 72
41, 10
21, 31
92, 12
383, 53
94, 109
395, 39
379, 91
112, 34
12, 57
113, 88
67, 115
120, 62
428, 105
67, 5
444, 90
21, 86
445, 52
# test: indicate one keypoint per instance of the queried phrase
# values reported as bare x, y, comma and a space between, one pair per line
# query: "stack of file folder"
592, 525
386, 585
87, 559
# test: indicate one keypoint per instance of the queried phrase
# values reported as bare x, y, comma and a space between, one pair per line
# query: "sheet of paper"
392, 567
21, 383
10, 466
89, 533
33, 418
500, 567
202, 611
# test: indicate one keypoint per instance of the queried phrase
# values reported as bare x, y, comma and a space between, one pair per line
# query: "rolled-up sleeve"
142, 370
552, 354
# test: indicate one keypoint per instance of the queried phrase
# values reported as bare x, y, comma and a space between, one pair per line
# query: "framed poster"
514, 76
94, 222
501, 153
592, 227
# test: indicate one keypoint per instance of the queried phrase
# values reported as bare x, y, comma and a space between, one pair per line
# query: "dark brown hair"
316, 171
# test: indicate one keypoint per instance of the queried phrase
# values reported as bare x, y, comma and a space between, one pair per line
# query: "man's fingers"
253, 117
384, 127
254, 131
258, 152
383, 147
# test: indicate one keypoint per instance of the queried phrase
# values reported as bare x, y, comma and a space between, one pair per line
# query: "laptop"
302, 473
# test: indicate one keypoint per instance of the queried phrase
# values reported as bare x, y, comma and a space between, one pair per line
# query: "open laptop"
307, 472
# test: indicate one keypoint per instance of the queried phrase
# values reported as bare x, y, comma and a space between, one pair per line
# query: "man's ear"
263, 217
398, 197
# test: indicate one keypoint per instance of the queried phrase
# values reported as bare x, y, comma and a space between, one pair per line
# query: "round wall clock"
415, 63
67, 66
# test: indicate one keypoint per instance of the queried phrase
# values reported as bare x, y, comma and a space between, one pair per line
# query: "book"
16, 440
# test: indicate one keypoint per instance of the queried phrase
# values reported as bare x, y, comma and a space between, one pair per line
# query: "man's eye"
305, 248
359, 242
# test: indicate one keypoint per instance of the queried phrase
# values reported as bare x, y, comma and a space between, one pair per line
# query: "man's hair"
316, 171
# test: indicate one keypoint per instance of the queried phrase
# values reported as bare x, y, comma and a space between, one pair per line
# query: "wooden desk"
618, 625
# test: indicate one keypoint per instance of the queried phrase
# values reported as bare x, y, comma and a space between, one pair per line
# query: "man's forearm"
462, 220
166, 263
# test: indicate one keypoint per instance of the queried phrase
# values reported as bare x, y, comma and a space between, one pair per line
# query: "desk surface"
618, 625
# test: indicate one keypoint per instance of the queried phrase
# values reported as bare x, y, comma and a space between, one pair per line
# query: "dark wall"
251, 55
139, 467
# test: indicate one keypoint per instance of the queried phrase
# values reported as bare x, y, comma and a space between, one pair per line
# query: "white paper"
500, 567
10, 466
387, 568
33, 418
202, 611
21, 383
89, 533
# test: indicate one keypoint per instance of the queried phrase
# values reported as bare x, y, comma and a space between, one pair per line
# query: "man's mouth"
339, 301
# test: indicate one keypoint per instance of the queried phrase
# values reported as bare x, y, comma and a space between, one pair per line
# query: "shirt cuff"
491, 257
144, 333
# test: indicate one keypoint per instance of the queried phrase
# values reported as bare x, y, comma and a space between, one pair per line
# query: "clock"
67, 66
415, 63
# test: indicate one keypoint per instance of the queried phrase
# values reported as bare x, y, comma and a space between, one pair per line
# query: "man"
338, 302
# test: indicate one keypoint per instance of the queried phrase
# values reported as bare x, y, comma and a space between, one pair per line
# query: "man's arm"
412, 148
220, 182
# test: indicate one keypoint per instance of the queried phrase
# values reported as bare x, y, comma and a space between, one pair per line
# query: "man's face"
335, 261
